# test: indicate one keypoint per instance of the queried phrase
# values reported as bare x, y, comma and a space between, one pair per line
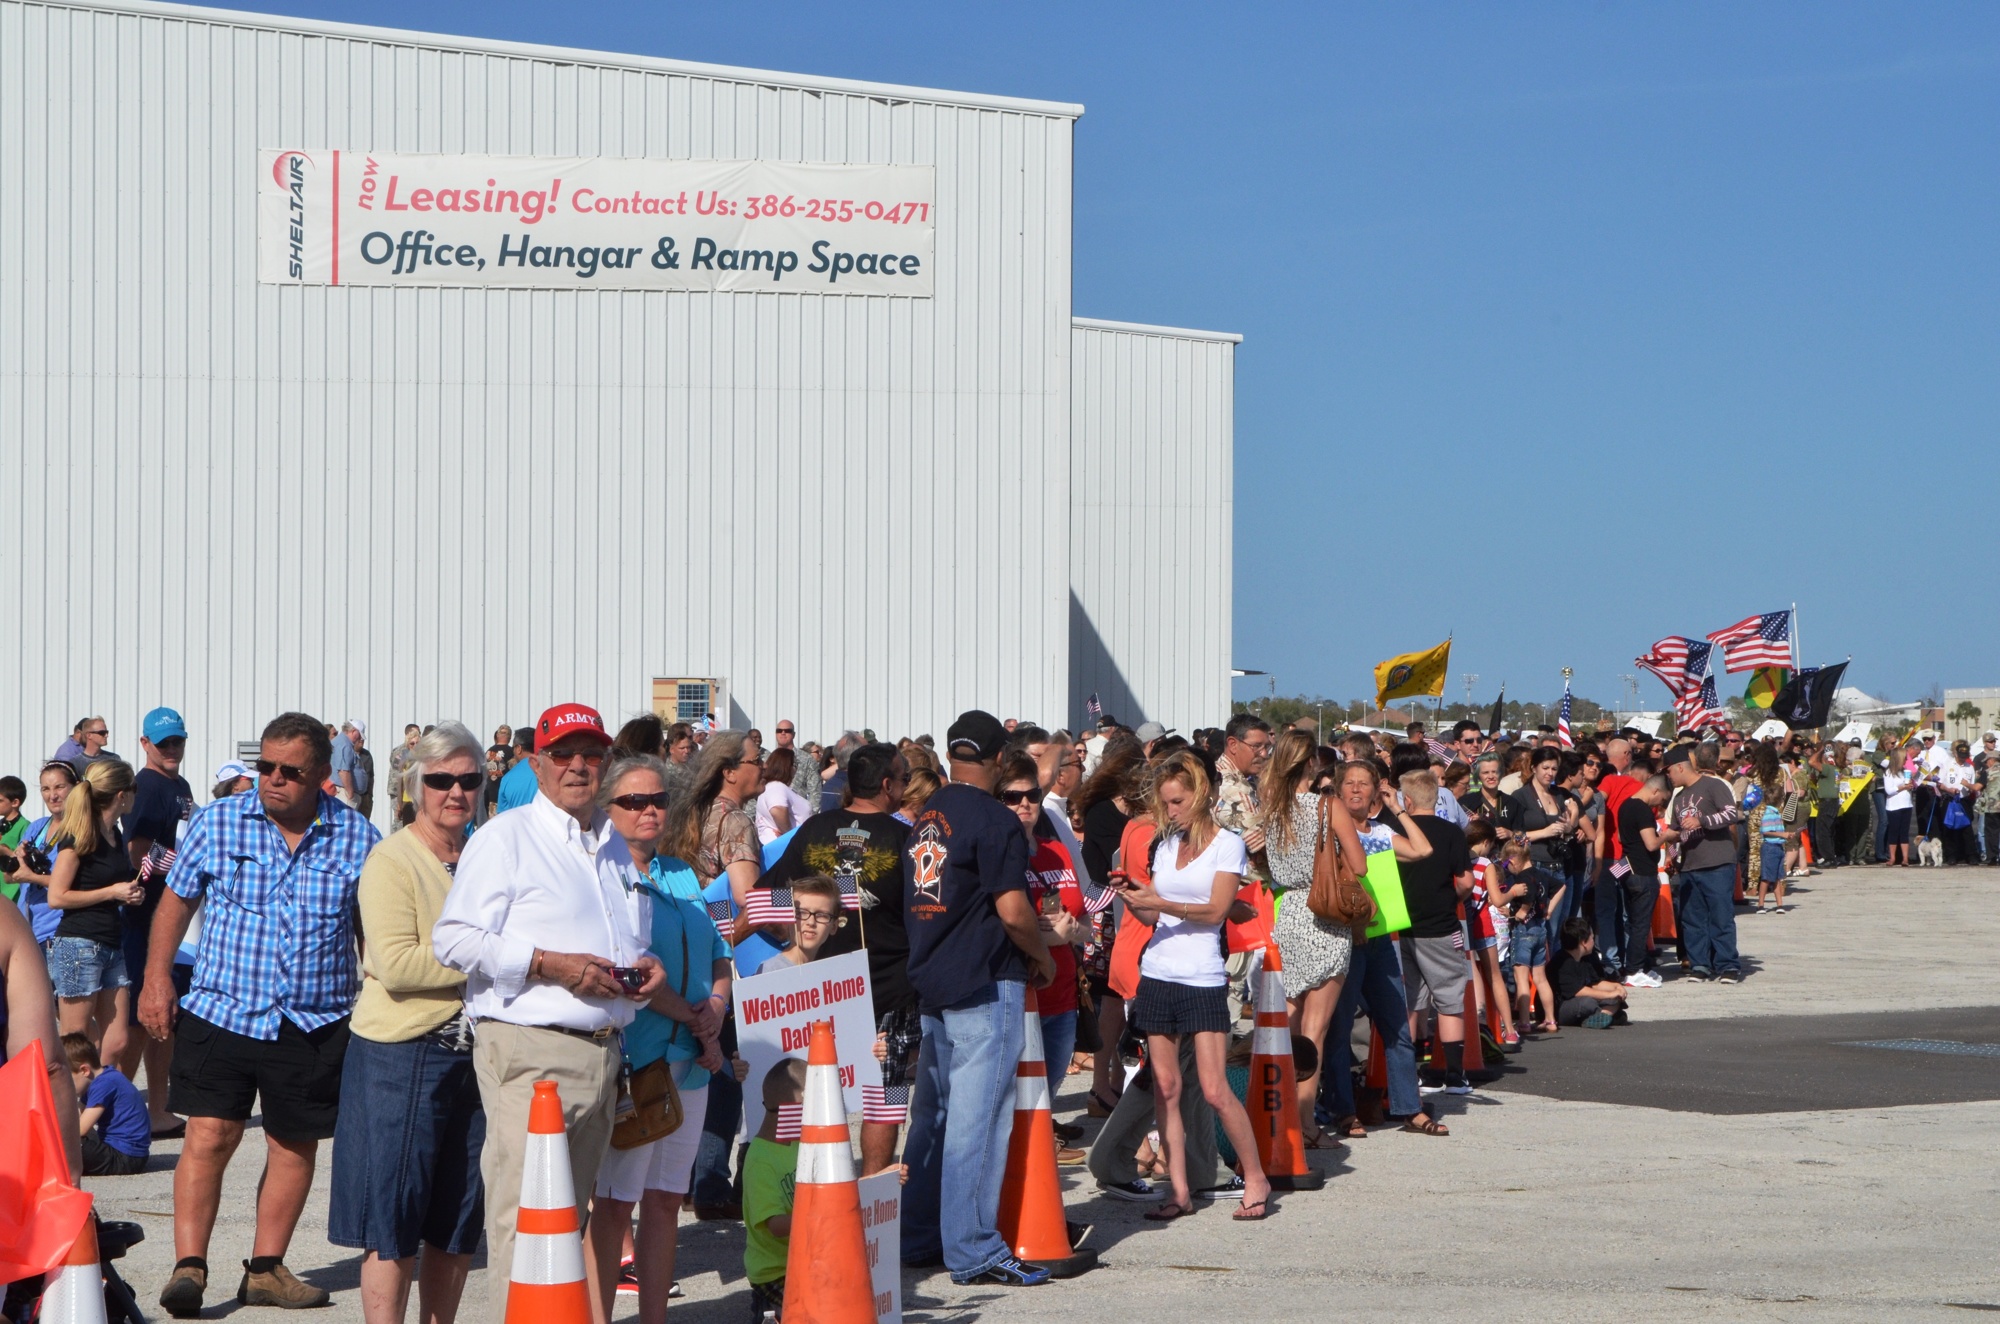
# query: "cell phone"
1118, 880
631, 976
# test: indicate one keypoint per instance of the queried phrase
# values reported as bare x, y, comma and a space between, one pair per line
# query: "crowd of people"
562, 902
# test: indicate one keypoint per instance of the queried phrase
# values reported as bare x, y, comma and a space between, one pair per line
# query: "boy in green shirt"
769, 1171
13, 827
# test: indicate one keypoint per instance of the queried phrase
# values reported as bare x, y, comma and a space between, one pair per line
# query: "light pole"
1469, 678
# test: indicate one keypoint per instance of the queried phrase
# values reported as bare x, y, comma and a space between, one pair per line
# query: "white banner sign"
334, 217
882, 1223
774, 1016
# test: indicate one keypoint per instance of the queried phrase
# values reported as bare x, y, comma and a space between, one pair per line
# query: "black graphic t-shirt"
964, 850
867, 849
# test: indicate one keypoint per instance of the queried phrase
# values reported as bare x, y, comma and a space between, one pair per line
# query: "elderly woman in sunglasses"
406, 1185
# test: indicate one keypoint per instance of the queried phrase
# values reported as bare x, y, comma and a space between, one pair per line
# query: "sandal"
1350, 1128
1097, 1107
1424, 1124
1252, 1211
1319, 1139
1168, 1212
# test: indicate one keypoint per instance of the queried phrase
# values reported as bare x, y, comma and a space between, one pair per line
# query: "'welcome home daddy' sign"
338, 217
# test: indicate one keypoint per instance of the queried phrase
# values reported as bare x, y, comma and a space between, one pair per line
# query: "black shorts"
220, 1073
1164, 1007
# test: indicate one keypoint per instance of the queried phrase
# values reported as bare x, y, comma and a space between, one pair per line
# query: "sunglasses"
785, 731
635, 803
266, 768
444, 781
593, 757
1014, 798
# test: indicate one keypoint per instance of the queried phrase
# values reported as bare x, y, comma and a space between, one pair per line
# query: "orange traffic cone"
1273, 1102
1031, 1207
1377, 1075
75, 1293
1475, 1055
546, 1284
826, 1269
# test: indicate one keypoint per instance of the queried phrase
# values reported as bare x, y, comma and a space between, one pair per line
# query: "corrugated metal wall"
1152, 472
406, 505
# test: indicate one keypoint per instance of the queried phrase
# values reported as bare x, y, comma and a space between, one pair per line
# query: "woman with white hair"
406, 1148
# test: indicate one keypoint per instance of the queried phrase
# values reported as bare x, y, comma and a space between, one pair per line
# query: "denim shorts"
1531, 945
80, 967
406, 1149
1771, 864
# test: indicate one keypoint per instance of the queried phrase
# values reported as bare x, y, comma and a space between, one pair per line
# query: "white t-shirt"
774, 795
1183, 951
1897, 787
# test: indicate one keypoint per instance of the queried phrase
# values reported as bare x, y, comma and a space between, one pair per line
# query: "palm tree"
1968, 713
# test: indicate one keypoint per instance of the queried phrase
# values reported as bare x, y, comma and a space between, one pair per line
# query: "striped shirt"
277, 932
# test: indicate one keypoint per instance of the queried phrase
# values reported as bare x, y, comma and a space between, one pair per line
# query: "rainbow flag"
1765, 682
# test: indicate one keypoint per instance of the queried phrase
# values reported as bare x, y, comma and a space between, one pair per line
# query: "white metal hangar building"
401, 377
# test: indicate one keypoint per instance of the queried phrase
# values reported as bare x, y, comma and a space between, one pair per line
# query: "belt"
605, 1035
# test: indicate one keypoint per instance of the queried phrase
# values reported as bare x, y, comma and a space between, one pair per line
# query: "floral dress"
1312, 949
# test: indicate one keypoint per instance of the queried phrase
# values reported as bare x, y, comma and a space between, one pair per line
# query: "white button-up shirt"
534, 877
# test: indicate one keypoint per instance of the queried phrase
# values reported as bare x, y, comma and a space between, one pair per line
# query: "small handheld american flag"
1093, 707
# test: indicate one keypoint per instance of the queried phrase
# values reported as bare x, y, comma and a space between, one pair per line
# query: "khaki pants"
509, 1059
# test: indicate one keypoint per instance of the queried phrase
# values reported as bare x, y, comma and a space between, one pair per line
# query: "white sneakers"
1643, 979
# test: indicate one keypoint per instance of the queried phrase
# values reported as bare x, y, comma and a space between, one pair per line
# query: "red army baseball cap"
569, 719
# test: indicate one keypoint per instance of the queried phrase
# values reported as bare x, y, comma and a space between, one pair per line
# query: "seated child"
1584, 994
770, 1168
116, 1130
816, 917
1305, 1065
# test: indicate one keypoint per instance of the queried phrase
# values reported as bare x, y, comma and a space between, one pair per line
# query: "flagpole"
1797, 652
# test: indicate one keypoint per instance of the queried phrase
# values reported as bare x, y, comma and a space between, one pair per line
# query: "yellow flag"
1411, 674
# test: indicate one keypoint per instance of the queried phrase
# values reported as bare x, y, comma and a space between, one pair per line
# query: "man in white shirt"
541, 930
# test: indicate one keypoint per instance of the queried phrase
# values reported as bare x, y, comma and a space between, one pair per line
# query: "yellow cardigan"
405, 992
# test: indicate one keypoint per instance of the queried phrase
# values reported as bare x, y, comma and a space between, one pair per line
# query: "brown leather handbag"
649, 1103
1337, 895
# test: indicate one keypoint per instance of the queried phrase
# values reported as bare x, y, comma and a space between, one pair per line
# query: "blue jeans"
1771, 863
961, 1117
1374, 978
1611, 921
1708, 917
712, 1187
1058, 1042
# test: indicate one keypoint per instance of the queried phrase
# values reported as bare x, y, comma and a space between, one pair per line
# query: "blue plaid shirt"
277, 927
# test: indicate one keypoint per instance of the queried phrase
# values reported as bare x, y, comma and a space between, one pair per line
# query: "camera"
35, 858
630, 976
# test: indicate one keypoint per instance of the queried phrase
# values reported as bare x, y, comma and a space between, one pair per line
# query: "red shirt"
1617, 788
1051, 873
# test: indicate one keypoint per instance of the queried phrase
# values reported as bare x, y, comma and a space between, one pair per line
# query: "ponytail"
103, 781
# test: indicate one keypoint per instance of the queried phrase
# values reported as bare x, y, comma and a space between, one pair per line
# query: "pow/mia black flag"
1807, 698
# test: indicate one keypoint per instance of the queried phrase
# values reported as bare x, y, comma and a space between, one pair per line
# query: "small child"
816, 915
1771, 853
770, 1170
13, 827
1585, 995
116, 1130
1524, 891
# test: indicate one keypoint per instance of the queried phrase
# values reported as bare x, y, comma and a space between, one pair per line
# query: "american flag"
773, 905
791, 1122
1093, 707
158, 862
1678, 661
1563, 737
722, 909
885, 1104
1696, 706
1096, 896
1757, 641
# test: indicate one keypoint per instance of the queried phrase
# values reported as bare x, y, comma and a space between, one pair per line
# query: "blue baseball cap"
164, 724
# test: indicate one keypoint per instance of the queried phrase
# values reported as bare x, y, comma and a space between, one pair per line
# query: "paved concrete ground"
1728, 1157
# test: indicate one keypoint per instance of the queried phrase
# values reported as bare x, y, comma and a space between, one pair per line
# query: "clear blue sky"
1567, 326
